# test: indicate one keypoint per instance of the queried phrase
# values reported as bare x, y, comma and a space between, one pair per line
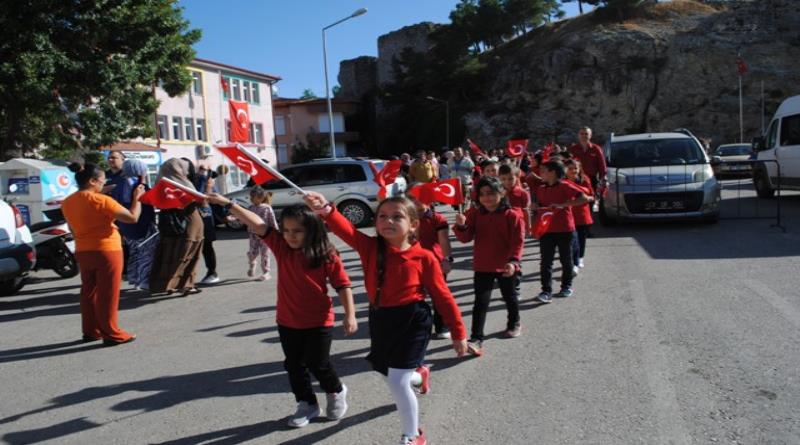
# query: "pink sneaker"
425, 386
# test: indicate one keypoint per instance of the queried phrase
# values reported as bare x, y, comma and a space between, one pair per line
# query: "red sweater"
303, 300
430, 223
533, 183
499, 237
583, 213
593, 161
518, 197
558, 193
408, 274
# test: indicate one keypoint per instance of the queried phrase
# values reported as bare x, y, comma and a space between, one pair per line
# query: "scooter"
55, 245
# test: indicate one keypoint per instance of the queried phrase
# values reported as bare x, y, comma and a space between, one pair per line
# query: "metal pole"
741, 112
328, 96
763, 107
447, 125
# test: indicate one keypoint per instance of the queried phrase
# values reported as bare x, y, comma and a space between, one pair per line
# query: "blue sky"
284, 38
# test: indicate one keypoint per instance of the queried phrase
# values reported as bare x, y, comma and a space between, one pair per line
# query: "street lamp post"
359, 12
447, 119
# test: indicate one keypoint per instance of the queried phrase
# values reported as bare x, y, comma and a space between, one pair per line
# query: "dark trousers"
548, 244
438, 321
509, 289
308, 352
210, 257
579, 243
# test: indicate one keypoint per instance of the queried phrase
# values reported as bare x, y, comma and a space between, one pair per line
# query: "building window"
254, 93
256, 133
197, 83
283, 154
324, 123
235, 89
177, 132
280, 126
227, 130
188, 125
246, 90
201, 130
163, 127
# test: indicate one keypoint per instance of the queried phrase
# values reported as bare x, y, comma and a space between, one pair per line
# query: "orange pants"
101, 276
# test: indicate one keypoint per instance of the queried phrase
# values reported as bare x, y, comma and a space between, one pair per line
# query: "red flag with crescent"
386, 176
240, 121
447, 191
544, 217
168, 194
741, 66
547, 151
473, 147
254, 167
516, 147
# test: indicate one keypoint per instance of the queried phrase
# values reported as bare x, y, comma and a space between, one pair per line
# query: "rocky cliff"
670, 65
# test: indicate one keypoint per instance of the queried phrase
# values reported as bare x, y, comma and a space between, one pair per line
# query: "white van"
780, 148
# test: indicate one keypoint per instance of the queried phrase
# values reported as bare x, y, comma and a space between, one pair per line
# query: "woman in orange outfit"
91, 216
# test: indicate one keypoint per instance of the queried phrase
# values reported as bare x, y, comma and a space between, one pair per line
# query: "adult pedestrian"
591, 156
422, 170
140, 238
115, 160
206, 183
461, 167
444, 170
91, 215
181, 237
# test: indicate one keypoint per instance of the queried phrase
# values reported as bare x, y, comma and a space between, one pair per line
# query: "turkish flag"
547, 151
240, 121
447, 191
249, 164
475, 149
544, 217
387, 175
225, 86
741, 66
516, 147
168, 194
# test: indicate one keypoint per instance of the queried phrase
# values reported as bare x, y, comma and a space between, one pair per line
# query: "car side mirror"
716, 160
758, 143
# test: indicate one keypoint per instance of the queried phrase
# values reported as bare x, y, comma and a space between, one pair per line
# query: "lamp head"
359, 12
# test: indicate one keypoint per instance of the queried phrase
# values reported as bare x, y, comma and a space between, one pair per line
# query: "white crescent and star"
448, 186
173, 193
246, 164
242, 122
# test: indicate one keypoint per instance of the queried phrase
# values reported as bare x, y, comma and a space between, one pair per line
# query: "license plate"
664, 205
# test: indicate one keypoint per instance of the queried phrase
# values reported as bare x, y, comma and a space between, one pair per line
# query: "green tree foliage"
315, 147
308, 93
79, 74
621, 6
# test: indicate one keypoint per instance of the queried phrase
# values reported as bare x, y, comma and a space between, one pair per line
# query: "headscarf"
134, 168
177, 170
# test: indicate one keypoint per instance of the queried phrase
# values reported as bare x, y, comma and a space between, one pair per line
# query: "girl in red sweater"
307, 262
581, 213
499, 233
398, 273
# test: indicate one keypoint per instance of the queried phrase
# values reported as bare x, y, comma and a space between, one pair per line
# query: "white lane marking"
655, 360
786, 309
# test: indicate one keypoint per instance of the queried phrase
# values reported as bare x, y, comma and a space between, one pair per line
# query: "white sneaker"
251, 271
337, 404
210, 279
575, 271
580, 263
304, 414
264, 277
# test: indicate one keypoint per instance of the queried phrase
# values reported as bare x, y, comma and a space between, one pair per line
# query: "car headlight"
704, 174
618, 178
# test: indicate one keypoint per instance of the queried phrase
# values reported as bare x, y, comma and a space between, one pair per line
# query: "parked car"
779, 148
733, 160
655, 176
17, 254
346, 182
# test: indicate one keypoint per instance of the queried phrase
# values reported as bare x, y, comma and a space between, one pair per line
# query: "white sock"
416, 379
399, 381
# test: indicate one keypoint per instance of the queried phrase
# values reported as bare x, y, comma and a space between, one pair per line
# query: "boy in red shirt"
518, 197
558, 198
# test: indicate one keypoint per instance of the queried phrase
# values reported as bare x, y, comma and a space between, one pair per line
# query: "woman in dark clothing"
181, 237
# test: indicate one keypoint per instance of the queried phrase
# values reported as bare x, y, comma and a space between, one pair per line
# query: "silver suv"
659, 176
346, 182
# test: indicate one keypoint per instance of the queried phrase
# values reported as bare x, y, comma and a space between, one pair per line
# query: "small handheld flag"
168, 194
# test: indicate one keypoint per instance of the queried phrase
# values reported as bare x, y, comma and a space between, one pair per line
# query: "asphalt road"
678, 333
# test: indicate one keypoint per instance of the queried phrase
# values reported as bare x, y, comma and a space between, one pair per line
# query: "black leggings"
579, 242
509, 289
309, 350
210, 257
548, 244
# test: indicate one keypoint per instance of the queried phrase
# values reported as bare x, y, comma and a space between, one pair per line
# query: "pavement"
678, 333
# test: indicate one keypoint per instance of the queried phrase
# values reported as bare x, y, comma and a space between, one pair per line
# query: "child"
558, 197
582, 213
434, 234
261, 205
488, 168
397, 274
307, 262
499, 234
517, 197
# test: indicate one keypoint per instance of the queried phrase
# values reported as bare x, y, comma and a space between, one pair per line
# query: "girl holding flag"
582, 213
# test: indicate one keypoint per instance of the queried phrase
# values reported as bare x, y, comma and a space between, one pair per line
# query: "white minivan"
780, 149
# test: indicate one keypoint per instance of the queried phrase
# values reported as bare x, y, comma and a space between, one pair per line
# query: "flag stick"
272, 171
741, 111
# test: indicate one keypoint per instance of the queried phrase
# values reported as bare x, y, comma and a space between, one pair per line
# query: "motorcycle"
54, 243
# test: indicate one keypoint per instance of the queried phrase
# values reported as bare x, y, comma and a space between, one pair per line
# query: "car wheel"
763, 188
356, 212
12, 286
65, 264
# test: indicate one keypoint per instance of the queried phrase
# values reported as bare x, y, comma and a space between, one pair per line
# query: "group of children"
406, 261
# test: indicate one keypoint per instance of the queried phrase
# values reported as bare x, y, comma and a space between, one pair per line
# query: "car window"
316, 175
649, 152
772, 136
790, 130
290, 173
350, 173
733, 150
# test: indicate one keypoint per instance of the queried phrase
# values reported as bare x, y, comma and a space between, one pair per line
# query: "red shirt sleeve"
467, 233
274, 240
345, 230
517, 232
442, 298
601, 162
440, 222
337, 276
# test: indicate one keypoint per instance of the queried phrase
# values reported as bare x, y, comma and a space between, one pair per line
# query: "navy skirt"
399, 336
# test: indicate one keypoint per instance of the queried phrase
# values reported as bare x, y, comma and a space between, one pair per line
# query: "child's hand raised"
315, 200
460, 347
461, 219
